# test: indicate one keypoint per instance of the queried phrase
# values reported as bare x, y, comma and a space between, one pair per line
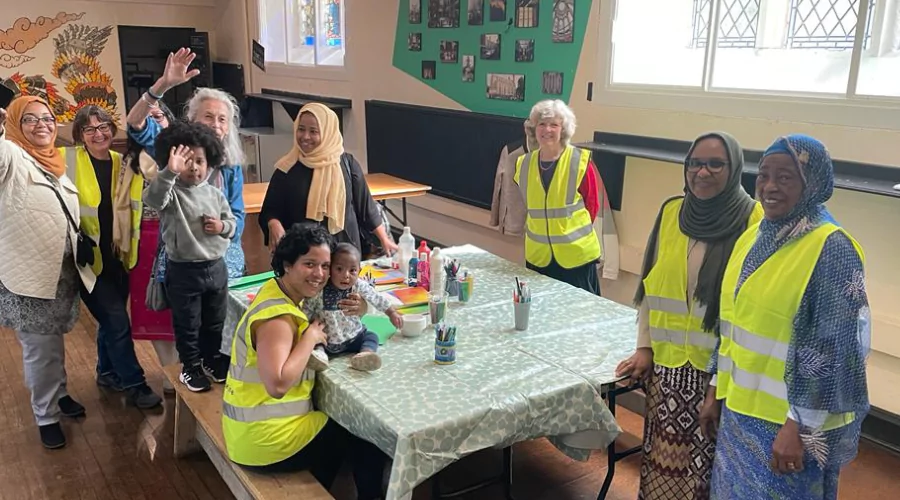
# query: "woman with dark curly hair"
268, 417
197, 227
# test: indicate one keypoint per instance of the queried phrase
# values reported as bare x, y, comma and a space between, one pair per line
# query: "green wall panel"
548, 55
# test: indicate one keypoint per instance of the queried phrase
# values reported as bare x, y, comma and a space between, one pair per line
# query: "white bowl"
413, 325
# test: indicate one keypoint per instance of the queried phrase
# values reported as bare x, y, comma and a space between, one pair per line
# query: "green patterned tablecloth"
505, 387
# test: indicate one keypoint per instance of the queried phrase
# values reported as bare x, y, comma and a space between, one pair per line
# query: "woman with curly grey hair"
561, 189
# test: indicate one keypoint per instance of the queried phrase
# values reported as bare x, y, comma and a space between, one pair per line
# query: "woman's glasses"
712, 166
32, 120
103, 127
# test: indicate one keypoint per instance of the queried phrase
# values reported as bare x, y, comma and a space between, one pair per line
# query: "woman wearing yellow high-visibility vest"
111, 212
791, 366
561, 188
268, 418
684, 262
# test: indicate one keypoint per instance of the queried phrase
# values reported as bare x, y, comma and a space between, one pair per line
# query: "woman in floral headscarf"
791, 365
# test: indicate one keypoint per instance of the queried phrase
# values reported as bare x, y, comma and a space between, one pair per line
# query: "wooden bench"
198, 424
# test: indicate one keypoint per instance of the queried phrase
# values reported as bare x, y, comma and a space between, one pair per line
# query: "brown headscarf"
47, 156
327, 195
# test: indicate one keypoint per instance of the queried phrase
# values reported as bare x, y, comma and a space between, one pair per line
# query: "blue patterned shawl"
826, 364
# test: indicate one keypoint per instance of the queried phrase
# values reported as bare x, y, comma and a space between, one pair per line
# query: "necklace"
548, 167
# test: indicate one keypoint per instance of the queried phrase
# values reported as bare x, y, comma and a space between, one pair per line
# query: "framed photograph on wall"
443, 13
506, 87
468, 68
476, 12
414, 42
449, 51
563, 21
415, 11
552, 83
524, 50
498, 10
429, 70
490, 46
527, 13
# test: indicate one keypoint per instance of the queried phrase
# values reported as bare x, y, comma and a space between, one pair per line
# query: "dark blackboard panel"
455, 152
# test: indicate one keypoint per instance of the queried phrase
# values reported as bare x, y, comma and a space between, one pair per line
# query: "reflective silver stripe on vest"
250, 374
562, 239
554, 213
754, 342
136, 205
523, 175
574, 162
87, 211
752, 381
697, 339
266, 412
674, 306
71, 163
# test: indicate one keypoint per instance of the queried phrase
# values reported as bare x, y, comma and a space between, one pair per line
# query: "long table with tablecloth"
505, 387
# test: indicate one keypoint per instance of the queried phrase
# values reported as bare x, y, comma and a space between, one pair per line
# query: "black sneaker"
110, 381
194, 379
143, 397
217, 369
71, 408
52, 436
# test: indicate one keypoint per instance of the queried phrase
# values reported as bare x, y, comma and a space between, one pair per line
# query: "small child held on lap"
347, 333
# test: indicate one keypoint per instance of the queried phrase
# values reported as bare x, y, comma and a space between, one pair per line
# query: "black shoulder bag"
84, 255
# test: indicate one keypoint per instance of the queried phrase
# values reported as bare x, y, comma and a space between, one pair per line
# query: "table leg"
403, 202
391, 212
505, 477
611, 455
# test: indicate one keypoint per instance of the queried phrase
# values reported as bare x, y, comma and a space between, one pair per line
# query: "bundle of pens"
444, 344
522, 294
451, 271
466, 282
521, 305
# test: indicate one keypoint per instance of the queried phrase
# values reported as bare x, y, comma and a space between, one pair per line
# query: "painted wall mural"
76, 64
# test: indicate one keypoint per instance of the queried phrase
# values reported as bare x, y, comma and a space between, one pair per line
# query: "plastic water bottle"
407, 245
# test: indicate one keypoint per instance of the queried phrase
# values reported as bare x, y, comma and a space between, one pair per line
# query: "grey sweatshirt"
181, 209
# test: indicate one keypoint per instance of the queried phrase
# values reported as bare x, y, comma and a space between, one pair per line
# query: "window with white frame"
817, 47
302, 32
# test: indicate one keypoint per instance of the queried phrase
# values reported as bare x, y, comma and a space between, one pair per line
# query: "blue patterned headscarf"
817, 172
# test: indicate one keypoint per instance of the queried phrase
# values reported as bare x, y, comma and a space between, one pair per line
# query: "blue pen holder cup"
521, 312
452, 287
445, 352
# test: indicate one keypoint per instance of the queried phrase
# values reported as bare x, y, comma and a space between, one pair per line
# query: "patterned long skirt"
741, 470
677, 458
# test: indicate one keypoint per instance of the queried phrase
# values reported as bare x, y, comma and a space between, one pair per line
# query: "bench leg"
185, 429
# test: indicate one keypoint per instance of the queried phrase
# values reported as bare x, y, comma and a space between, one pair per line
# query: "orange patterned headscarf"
47, 156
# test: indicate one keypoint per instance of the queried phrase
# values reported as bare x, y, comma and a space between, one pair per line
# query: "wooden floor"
119, 452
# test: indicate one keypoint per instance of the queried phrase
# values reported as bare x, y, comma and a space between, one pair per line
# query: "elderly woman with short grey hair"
561, 188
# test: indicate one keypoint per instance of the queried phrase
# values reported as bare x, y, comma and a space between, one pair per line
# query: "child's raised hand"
212, 225
179, 156
396, 318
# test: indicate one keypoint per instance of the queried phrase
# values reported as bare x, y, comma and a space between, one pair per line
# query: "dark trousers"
324, 455
115, 348
584, 277
366, 340
198, 297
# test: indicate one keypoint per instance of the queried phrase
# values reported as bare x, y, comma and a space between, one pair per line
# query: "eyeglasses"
712, 166
32, 120
103, 127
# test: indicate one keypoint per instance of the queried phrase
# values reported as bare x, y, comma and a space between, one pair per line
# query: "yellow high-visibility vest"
81, 171
676, 330
757, 325
557, 224
259, 429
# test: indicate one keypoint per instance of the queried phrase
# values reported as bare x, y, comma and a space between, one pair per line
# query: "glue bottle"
423, 249
436, 271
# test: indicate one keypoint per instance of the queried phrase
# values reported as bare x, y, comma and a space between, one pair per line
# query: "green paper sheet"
248, 281
381, 326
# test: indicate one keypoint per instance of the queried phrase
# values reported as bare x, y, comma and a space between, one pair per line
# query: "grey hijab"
718, 222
